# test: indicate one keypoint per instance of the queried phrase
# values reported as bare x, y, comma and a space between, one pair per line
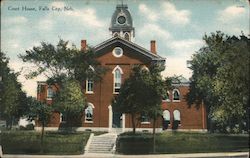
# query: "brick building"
119, 54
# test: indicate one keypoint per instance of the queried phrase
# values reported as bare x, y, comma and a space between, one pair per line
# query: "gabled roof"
137, 48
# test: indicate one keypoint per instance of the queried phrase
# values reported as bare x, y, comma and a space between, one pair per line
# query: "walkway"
90, 155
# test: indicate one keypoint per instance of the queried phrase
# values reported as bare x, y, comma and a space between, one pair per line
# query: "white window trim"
49, 98
145, 123
167, 111
116, 34
89, 92
61, 118
173, 96
167, 100
86, 121
114, 54
175, 115
124, 35
113, 72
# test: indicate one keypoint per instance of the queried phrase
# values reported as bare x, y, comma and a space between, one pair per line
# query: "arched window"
126, 36
115, 34
177, 115
90, 82
145, 119
89, 112
117, 72
176, 95
166, 115
165, 97
50, 92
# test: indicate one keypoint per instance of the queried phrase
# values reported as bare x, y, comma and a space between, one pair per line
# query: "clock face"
121, 19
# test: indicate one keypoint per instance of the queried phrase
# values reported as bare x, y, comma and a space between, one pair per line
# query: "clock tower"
122, 23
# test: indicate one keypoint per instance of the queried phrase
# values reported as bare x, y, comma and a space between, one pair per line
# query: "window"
50, 92
166, 119
117, 72
176, 95
62, 117
89, 86
165, 97
126, 36
177, 115
117, 52
145, 119
115, 34
166, 115
89, 113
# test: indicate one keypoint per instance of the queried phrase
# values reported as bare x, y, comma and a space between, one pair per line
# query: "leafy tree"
221, 80
41, 112
70, 101
142, 83
12, 98
62, 61
64, 67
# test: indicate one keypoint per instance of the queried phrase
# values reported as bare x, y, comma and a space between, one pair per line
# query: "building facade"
119, 54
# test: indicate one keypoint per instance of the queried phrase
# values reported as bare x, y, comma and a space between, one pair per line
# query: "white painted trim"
110, 118
113, 72
177, 90
86, 83
145, 123
86, 148
123, 122
114, 53
105, 129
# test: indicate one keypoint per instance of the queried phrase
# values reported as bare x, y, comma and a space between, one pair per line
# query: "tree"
142, 83
70, 101
62, 61
63, 64
12, 98
156, 89
221, 80
41, 112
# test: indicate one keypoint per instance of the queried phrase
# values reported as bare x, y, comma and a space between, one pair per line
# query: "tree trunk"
133, 122
42, 136
154, 123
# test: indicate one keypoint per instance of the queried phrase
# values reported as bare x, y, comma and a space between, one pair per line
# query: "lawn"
181, 142
28, 142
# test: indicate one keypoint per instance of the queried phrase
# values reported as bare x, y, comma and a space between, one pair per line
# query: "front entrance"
117, 118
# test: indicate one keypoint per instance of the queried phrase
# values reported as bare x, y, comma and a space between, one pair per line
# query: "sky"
177, 26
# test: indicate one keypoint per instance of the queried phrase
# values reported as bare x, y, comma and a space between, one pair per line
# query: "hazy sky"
177, 26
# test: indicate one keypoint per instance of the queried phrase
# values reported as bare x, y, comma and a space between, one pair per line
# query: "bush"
139, 143
28, 127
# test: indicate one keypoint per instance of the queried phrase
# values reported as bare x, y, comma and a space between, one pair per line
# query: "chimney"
83, 45
153, 46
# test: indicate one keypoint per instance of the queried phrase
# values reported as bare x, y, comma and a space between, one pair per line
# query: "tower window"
126, 36
116, 34
121, 19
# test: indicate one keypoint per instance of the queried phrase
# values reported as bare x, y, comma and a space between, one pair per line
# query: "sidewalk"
195, 155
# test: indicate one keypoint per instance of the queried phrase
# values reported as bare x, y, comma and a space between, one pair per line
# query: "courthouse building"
119, 54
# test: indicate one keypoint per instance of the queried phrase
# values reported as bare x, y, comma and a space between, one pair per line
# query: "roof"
180, 81
137, 48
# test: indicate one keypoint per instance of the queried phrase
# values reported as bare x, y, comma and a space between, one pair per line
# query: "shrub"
139, 143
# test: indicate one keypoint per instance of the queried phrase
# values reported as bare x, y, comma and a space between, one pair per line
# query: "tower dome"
122, 23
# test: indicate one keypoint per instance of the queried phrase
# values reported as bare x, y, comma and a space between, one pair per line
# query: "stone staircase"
104, 143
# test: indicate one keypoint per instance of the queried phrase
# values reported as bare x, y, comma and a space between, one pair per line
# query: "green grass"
181, 142
28, 142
